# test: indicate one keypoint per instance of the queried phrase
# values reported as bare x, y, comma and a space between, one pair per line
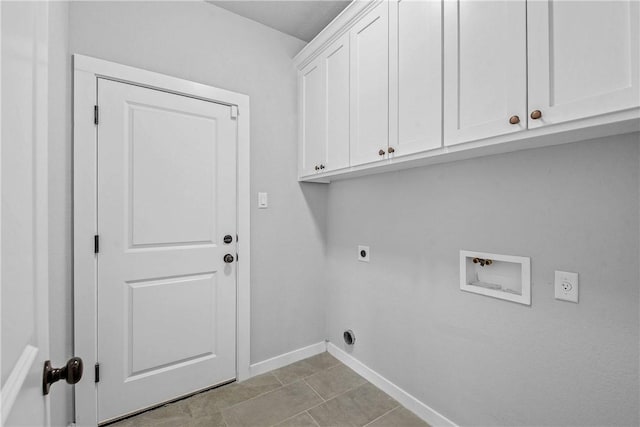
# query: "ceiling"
303, 19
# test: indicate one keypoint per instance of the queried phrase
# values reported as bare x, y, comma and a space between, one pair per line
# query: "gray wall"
204, 43
483, 361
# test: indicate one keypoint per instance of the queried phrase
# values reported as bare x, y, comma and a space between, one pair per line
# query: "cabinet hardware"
392, 150
381, 152
536, 114
317, 168
321, 166
228, 258
514, 120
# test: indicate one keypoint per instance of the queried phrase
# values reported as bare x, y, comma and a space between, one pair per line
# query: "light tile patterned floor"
317, 392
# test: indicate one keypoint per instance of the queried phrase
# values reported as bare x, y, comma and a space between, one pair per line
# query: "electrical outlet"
566, 286
363, 253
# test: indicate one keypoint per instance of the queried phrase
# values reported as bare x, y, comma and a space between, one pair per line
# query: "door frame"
86, 71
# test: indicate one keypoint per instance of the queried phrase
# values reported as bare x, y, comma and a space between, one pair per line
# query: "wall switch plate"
566, 286
263, 201
363, 253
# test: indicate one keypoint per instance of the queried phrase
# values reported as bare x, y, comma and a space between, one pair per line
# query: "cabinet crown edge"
334, 30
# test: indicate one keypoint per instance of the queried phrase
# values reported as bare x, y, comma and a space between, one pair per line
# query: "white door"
416, 32
166, 201
25, 323
313, 118
583, 58
485, 70
370, 86
336, 67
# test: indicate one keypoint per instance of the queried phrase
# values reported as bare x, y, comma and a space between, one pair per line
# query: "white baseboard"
431, 416
287, 358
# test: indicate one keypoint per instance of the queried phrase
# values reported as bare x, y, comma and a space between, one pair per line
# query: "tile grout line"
255, 397
322, 403
314, 390
276, 389
312, 419
282, 385
386, 413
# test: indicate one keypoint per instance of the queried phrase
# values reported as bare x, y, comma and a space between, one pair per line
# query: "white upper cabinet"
583, 58
415, 43
313, 135
485, 70
369, 39
391, 84
336, 65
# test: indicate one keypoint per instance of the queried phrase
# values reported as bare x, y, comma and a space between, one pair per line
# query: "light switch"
263, 201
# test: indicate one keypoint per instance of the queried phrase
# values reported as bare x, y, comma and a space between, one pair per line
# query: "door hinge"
234, 112
95, 114
96, 244
97, 372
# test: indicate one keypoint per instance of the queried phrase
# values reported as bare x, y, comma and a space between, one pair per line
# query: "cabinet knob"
381, 152
536, 114
514, 120
392, 150
316, 167
321, 166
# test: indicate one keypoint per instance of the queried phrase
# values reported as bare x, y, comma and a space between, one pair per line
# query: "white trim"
287, 358
333, 31
431, 416
86, 72
18, 375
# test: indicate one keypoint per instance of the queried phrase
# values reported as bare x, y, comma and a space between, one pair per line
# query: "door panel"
370, 85
24, 345
184, 174
166, 198
419, 97
157, 340
337, 71
313, 117
583, 58
485, 69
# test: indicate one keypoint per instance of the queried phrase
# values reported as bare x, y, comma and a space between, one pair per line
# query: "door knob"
381, 152
71, 373
227, 239
228, 258
536, 114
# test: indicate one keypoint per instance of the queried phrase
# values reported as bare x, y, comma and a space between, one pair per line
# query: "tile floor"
319, 391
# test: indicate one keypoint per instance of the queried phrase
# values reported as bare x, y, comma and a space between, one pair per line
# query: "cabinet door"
370, 85
415, 76
583, 58
313, 131
336, 67
485, 69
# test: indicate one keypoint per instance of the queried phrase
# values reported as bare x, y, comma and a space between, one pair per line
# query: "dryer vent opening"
349, 337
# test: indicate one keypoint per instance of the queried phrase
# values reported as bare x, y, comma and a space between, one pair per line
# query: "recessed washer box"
506, 277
